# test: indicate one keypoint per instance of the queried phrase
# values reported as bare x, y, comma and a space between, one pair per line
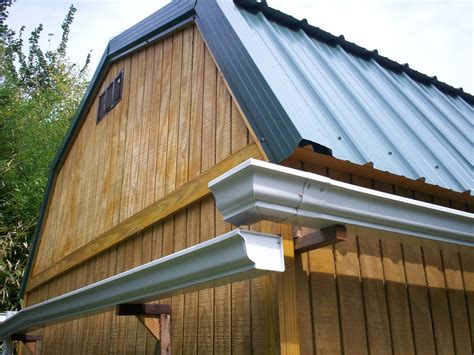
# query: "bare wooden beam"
308, 239
191, 192
165, 341
26, 337
144, 309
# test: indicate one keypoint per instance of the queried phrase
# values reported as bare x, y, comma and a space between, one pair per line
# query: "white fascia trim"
234, 256
257, 190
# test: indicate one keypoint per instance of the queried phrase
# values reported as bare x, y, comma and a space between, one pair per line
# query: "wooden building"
200, 87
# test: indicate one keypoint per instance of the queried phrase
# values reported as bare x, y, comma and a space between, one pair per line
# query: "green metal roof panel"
353, 104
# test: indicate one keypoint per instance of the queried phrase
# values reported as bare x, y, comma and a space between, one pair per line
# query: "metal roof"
357, 107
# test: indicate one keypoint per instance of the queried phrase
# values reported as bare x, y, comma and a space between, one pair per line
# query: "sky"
436, 37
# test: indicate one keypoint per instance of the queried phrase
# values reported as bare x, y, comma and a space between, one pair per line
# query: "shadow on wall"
379, 295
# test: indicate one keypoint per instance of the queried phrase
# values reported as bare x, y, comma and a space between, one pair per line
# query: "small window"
110, 96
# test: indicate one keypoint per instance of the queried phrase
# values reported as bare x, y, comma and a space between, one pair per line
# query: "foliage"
39, 93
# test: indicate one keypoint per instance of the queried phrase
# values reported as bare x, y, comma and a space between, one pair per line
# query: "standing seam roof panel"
359, 109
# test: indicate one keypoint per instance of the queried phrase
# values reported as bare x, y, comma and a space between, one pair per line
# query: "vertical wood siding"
233, 318
176, 120
383, 294
174, 112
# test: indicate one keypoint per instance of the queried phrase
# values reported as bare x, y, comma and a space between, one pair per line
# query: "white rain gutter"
256, 190
231, 257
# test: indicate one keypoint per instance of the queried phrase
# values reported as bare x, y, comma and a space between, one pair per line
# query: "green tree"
39, 93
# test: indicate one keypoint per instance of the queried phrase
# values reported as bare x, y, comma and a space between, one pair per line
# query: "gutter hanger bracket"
308, 239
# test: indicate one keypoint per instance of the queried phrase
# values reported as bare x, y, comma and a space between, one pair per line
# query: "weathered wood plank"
122, 115
419, 302
185, 109
195, 139
351, 301
466, 261
191, 192
177, 302
206, 326
375, 302
438, 301
145, 190
285, 285
129, 142
457, 301
191, 300
173, 116
160, 183
222, 302
155, 106
323, 292
397, 298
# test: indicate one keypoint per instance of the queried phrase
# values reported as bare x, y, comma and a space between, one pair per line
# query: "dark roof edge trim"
270, 122
152, 39
175, 19
352, 48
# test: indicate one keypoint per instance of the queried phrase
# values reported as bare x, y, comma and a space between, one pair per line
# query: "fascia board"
231, 257
256, 190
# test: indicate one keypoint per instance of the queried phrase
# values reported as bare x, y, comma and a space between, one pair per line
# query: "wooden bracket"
32, 342
308, 239
155, 317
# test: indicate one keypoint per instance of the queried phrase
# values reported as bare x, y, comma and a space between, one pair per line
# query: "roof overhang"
256, 190
234, 256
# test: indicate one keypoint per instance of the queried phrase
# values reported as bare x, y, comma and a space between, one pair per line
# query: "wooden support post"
165, 341
286, 293
308, 239
32, 342
155, 317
